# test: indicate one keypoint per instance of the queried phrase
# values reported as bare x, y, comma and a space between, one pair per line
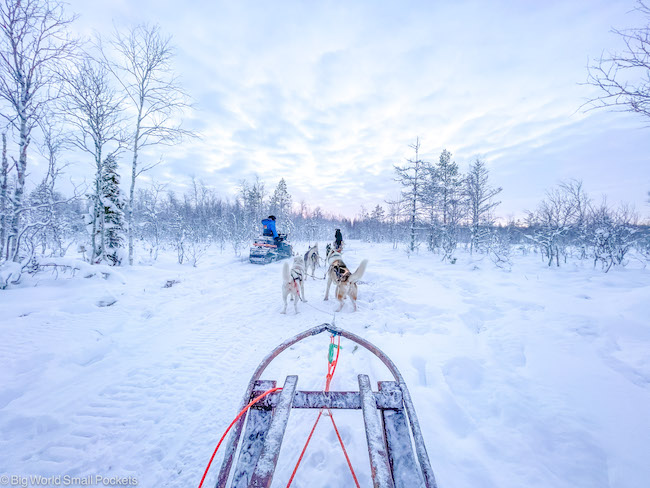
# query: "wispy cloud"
328, 95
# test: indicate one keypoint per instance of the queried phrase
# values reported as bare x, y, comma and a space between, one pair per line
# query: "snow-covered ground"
539, 377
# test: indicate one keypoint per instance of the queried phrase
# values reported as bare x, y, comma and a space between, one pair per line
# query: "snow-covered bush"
614, 235
10, 273
500, 248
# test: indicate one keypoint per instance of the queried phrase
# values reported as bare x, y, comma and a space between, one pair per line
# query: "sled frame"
387, 413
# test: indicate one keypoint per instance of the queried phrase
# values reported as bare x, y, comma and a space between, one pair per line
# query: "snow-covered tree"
280, 206
480, 202
149, 217
34, 44
377, 217
254, 207
580, 202
411, 177
552, 222
141, 60
614, 233
451, 201
430, 205
5, 203
395, 212
113, 210
93, 109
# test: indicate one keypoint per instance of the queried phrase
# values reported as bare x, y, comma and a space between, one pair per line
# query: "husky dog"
293, 283
332, 255
329, 250
311, 259
346, 282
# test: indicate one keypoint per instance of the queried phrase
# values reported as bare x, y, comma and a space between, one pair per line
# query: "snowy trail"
532, 378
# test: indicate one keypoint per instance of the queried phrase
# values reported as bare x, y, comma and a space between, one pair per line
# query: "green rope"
330, 354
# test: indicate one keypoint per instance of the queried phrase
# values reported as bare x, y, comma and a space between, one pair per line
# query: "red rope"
252, 402
295, 283
331, 367
302, 453
345, 453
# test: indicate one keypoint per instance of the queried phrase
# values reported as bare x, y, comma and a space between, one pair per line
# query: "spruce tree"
450, 201
113, 205
281, 200
479, 195
411, 177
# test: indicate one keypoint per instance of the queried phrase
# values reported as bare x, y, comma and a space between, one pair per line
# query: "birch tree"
54, 141
34, 43
143, 66
4, 200
94, 110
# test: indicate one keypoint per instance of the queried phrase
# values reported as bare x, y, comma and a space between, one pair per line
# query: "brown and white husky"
346, 282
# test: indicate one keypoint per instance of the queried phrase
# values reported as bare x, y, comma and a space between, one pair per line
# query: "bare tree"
624, 78
54, 141
94, 110
150, 216
553, 220
395, 211
614, 233
479, 196
580, 202
411, 177
34, 43
143, 67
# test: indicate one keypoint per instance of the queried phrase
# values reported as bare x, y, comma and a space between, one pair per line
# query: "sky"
330, 95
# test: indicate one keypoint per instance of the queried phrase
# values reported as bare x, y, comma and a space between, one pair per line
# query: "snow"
536, 377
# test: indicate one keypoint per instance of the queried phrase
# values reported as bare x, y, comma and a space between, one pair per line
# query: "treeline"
566, 224
445, 208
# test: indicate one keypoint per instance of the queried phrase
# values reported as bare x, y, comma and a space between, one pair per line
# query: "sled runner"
388, 414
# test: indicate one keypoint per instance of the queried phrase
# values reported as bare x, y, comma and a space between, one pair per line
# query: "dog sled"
398, 456
270, 246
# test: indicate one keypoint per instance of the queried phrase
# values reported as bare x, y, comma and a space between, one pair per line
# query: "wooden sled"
387, 415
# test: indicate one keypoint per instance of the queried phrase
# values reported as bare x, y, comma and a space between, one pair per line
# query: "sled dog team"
293, 278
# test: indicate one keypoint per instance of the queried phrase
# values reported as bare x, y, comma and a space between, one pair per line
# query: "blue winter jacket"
269, 228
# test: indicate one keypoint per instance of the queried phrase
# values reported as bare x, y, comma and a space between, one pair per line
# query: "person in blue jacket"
269, 227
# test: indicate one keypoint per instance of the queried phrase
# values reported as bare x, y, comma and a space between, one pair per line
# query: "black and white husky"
312, 259
293, 283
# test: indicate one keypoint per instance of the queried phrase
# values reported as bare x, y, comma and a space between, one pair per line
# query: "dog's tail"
286, 276
358, 274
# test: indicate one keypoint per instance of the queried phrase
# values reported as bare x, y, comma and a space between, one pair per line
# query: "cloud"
330, 95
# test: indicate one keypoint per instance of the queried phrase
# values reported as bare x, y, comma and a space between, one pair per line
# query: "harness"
341, 270
312, 255
296, 276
